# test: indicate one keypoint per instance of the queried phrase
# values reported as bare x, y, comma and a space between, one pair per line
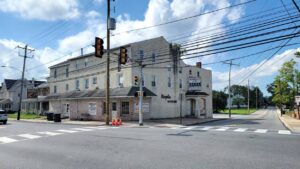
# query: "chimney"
199, 65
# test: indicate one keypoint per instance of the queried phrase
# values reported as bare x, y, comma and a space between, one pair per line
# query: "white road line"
50, 133
284, 132
29, 136
82, 129
206, 128
261, 131
100, 128
189, 128
67, 131
240, 130
7, 140
222, 129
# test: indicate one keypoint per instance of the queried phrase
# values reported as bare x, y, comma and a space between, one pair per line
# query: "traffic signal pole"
141, 95
107, 65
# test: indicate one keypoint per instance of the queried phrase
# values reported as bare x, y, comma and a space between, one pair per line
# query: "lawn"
241, 111
26, 116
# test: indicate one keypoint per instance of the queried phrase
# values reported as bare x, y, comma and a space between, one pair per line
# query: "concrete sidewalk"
173, 122
289, 122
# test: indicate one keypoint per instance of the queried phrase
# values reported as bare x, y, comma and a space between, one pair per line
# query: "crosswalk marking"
206, 128
49, 133
29, 136
240, 130
284, 132
99, 128
67, 131
261, 131
189, 128
82, 129
7, 140
222, 129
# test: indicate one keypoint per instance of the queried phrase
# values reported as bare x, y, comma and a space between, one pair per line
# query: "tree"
281, 92
219, 100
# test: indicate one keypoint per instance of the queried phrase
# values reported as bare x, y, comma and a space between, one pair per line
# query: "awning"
100, 93
195, 93
6, 101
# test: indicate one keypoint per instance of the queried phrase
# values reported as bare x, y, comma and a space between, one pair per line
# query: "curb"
287, 126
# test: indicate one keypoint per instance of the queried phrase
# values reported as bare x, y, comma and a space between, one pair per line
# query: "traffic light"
136, 80
99, 47
123, 55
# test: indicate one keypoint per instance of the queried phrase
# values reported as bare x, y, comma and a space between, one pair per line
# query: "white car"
3, 116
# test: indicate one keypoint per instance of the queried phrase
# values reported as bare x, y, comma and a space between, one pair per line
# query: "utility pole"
141, 91
22, 79
248, 96
107, 64
229, 85
256, 103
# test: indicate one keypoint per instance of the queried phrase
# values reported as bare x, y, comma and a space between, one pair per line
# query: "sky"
56, 30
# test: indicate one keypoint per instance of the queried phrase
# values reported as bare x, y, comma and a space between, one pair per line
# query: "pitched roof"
9, 83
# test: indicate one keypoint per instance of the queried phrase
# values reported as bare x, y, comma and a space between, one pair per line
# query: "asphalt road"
218, 145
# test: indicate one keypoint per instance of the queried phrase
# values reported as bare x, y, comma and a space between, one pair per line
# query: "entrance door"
66, 112
193, 106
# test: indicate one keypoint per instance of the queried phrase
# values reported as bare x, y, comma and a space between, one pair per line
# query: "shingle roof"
9, 83
99, 93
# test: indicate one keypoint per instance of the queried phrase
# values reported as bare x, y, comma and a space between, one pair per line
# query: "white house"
77, 85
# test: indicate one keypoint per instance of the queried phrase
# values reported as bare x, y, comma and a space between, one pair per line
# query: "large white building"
77, 85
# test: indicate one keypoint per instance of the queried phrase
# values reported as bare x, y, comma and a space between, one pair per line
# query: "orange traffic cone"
117, 122
120, 122
113, 122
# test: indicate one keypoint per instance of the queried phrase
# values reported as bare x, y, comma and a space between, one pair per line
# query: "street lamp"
12, 67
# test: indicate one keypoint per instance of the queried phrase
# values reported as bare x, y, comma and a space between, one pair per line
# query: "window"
77, 84
55, 89
125, 107
92, 109
67, 72
94, 80
76, 64
153, 81
169, 68
86, 83
55, 73
114, 106
180, 70
190, 72
86, 61
67, 87
120, 80
141, 54
169, 82
153, 57
104, 108
180, 83
198, 74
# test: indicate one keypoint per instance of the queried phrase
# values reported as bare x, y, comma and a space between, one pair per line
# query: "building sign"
165, 96
172, 101
194, 83
92, 109
297, 100
146, 107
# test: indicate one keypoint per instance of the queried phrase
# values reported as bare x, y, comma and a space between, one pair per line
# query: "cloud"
158, 11
48, 10
268, 68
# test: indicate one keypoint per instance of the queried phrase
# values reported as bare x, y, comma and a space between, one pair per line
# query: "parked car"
3, 116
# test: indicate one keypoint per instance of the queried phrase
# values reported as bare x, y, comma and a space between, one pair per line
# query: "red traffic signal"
123, 55
99, 47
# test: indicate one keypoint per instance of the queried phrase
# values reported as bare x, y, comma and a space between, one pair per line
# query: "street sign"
297, 100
